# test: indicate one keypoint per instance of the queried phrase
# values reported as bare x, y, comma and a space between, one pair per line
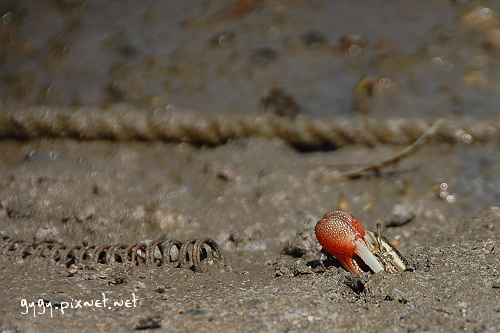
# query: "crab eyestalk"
343, 236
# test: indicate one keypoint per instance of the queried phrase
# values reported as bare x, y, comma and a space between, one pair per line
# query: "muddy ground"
259, 198
102, 192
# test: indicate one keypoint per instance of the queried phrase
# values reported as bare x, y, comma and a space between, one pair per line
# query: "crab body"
358, 250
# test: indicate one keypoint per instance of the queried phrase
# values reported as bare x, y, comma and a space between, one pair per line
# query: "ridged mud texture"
171, 124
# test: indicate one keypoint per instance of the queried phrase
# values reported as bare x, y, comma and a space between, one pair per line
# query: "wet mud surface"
452, 292
444, 300
381, 57
257, 197
257, 208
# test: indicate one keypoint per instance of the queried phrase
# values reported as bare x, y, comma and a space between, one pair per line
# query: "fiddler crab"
358, 250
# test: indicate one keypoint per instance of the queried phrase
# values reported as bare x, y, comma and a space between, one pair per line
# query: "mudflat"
130, 124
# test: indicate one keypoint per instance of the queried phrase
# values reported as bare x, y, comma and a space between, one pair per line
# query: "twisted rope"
169, 124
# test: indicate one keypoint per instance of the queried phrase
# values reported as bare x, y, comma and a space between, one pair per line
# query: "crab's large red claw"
342, 235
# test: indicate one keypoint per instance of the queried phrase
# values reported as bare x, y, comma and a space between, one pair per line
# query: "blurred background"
374, 57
